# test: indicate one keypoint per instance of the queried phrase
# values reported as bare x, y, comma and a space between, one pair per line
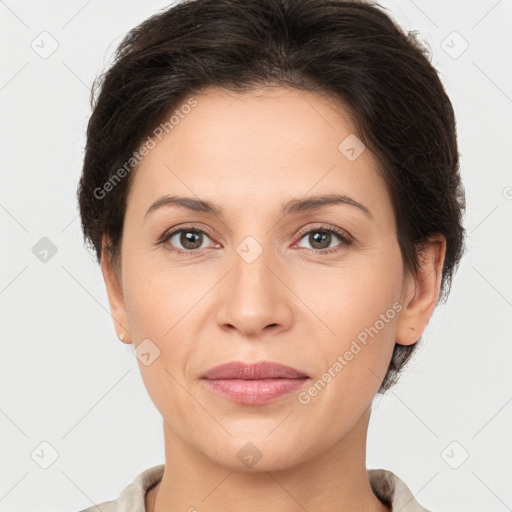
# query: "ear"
421, 292
112, 278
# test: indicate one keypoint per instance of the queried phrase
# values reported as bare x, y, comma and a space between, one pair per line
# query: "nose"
254, 298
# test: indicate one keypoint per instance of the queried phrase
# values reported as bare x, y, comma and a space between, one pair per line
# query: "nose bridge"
253, 298
251, 267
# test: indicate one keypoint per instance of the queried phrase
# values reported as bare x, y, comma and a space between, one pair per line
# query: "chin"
257, 454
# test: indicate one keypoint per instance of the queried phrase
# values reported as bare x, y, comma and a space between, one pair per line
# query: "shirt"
385, 485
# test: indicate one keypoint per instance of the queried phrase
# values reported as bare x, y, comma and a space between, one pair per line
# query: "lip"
253, 383
253, 371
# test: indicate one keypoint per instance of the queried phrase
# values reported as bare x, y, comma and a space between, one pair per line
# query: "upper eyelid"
324, 227
173, 231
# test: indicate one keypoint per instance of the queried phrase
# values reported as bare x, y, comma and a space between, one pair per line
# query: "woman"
273, 194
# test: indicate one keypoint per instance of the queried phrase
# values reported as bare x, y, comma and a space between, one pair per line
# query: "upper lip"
252, 371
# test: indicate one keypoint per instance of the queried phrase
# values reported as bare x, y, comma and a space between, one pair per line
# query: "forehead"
257, 145
277, 117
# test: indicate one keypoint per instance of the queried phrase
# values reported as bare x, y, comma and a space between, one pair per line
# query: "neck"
331, 481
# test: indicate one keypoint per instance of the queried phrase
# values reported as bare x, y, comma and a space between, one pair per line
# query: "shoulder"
107, 506
133, 496
393, 491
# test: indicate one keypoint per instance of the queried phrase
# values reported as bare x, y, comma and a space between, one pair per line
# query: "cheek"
351, 364
158, 297
356, 309
161, 309
345, 300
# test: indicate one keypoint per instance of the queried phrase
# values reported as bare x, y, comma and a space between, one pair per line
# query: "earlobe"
421, 292
115, 295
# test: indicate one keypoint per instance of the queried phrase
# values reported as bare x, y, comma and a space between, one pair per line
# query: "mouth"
253, 383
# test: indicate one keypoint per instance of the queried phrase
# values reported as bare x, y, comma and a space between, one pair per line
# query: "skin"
249, 153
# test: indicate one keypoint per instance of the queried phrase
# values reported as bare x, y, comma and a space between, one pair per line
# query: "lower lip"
254, 392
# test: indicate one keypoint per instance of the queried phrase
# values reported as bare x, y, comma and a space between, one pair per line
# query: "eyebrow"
290, 207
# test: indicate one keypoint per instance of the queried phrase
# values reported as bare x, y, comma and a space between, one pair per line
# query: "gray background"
70, 391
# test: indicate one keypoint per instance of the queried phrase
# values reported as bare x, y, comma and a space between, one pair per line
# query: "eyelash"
345, 240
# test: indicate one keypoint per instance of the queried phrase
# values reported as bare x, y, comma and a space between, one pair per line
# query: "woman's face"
262, 280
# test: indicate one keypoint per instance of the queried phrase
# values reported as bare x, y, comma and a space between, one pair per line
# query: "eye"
321, 238
190, 239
